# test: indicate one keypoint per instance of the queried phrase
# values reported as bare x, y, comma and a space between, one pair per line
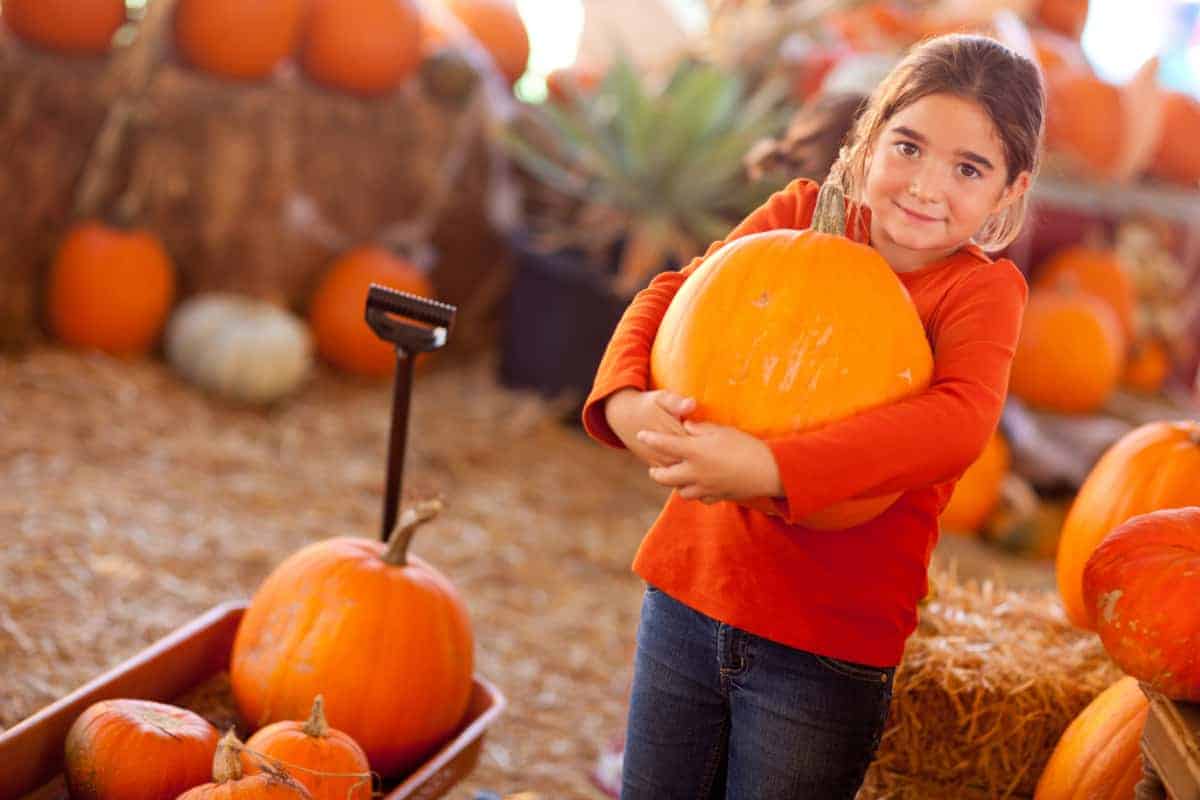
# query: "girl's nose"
925, 186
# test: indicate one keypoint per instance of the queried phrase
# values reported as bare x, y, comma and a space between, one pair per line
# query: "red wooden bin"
31, 752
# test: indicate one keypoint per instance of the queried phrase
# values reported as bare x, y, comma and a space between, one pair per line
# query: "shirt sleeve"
626, 361
927, 438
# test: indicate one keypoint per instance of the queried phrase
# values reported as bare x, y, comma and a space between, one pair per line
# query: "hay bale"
988, 683
53, 107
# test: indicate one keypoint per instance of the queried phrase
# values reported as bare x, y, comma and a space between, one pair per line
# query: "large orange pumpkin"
1141, 589
229, 781
1098, 756
1177, 156
80, 27
1084, 119
978, 491
1150, 468
1094, 271
769, 335
238, 38
1148, 366
336, 311
365, 47
379, 633
110, 289
331, 764
137, 750
499, 28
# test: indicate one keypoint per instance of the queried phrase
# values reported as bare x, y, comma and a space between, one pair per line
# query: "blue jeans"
717, 712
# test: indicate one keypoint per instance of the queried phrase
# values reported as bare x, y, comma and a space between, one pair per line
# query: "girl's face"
934, 175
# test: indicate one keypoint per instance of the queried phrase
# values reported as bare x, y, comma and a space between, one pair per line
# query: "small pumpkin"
1177, 155
790, 307
978, 490
244, 39
1141, 589
1148, 366
381, 634
499, 28
1098, 756
137, 750
110, 289
331, 764
1070, 352
1084, 119
229, 781
238, 347
76, 27
1150, 468
1095, 271
365, 47
1064, 16
342, 335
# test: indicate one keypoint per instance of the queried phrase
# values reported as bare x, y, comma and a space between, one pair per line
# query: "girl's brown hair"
1006, 85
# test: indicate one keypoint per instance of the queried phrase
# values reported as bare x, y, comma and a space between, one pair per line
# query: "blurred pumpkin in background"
499, 28
1096, 271
243, 39
337, 310
1084, 120
1148, 366
1064, 16
1070, 353
361, 46
978, 491
1177, 156
76, 27
110, 289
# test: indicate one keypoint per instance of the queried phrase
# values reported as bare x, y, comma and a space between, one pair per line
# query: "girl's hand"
711, 463
629, 411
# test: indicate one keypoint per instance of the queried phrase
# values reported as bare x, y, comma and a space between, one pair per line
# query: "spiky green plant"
660, 168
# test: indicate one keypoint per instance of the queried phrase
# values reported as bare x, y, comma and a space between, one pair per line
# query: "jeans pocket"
849, 669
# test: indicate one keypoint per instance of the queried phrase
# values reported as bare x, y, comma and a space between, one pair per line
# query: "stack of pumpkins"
112, 287
1129, 569
354, 657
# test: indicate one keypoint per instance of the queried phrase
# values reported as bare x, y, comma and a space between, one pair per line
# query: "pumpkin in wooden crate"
1177, 155
1070, 352
364, 47
1096, 271
1141, 589
330, 764
342, 334
498, 26
110, 289
239, 347
229, 781
1084, 120
1152, 467
1098, 757
78, 27
766, 335
137, 750
978, 490
243, 39
1147, 367
381, 634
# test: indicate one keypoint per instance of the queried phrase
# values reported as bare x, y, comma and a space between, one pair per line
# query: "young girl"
766, 651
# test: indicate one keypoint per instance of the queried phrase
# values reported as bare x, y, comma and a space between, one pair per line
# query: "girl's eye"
907, 149
968, 171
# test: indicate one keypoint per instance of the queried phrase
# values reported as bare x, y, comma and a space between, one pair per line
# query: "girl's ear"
1014, 191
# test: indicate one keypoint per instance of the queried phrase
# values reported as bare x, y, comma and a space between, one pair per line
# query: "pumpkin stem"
830, 213
411, 519
227, 764
317, 726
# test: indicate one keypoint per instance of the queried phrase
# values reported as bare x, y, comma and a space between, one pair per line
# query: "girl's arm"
930, 437
626, 361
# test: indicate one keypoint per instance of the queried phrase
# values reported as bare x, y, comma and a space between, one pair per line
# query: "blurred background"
196, 195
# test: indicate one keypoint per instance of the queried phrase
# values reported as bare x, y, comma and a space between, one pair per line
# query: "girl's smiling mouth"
913, 215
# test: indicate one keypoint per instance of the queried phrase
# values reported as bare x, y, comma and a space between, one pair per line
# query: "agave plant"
658, 169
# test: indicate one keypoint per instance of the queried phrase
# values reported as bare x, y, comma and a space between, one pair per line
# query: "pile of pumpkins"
1128, 568
366, 47
354, 657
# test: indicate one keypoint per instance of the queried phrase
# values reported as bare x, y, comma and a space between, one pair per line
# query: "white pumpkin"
238, 347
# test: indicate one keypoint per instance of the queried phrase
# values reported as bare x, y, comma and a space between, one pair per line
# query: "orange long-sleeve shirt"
849, 594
